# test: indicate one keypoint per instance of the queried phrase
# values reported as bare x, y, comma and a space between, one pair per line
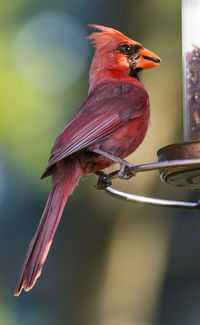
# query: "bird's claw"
125, 171
102, 183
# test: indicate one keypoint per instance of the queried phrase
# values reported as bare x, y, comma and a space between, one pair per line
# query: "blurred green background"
111, 263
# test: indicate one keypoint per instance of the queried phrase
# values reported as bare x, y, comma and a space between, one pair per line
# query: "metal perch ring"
105, 181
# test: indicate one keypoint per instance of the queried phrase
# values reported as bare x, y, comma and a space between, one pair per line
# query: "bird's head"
117, 52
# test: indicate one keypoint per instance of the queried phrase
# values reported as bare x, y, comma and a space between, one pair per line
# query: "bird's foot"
102, 183
125, 171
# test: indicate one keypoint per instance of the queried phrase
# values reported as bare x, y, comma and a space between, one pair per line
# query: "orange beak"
147, 59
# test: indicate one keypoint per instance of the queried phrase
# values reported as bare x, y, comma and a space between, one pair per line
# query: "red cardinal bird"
109, 125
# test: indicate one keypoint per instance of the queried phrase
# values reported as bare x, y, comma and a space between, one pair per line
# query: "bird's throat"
134, 72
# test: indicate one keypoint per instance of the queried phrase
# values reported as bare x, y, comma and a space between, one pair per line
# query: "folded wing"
106, 110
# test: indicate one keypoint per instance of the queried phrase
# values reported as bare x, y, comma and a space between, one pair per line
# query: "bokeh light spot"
50, 51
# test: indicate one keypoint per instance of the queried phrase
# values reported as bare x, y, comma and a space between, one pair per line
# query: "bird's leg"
124, 172
112, 157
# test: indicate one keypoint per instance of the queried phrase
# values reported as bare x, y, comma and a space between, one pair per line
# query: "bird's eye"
125, 48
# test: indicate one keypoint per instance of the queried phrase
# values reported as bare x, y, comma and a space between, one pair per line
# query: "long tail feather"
64, 183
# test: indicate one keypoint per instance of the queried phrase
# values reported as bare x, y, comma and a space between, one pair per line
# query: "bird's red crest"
106, 35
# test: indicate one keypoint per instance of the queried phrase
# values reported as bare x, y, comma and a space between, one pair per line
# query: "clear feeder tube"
191, 68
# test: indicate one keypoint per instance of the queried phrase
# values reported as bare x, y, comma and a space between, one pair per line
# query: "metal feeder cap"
187, 177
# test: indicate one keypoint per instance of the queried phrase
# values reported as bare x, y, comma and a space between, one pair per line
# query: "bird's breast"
120, 143
125, 141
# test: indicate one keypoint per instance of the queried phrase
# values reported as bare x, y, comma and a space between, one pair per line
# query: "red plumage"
114, 119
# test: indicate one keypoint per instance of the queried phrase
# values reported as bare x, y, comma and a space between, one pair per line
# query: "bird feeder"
188, 177
179, 163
